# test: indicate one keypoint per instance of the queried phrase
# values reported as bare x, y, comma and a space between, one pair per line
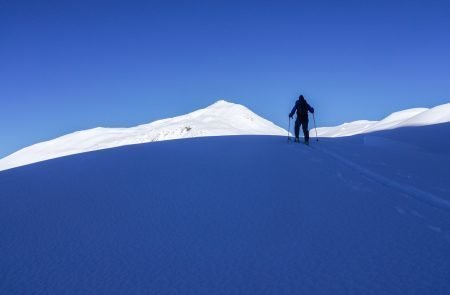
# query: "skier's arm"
311, 109
291, 114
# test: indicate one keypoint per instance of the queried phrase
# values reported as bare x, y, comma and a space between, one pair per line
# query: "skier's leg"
297, 128
305, 130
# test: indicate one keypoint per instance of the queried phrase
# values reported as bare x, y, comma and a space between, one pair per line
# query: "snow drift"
219, 119
405, 118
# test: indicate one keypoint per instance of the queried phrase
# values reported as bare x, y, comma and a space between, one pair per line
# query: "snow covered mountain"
232, 215
405, 118
366, 214
219, 119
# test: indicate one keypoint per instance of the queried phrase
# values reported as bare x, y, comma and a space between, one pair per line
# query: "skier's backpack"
302, 109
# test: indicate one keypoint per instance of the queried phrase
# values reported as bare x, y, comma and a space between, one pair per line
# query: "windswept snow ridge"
405, 118
219, 119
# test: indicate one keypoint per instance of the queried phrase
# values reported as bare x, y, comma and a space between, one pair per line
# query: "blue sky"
71, 65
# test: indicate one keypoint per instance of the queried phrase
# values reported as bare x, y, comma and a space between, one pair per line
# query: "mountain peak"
219, 119
221, 103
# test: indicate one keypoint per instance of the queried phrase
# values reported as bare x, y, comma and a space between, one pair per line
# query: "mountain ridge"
221, 118
404, 118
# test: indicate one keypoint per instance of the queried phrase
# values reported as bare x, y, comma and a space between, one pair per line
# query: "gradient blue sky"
71, 65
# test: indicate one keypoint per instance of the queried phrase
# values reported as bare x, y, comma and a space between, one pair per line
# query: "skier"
302, 108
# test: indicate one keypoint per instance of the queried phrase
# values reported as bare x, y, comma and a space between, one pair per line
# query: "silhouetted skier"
302, 108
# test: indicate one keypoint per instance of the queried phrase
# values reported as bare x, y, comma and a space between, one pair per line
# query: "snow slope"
220, 118
233, 215
405, 118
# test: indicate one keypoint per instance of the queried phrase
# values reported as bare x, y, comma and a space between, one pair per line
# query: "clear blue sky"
71, 65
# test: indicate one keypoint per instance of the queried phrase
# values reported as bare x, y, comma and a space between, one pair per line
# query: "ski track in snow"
403, 189
219, 215
400, 187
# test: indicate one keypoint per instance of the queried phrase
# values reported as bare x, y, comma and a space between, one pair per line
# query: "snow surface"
366, 214
219, 119
405, 118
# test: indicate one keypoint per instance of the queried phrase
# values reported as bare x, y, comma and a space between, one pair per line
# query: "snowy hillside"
410, 117
233, 215
219, 119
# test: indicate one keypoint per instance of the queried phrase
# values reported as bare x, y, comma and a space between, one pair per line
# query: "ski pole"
289, 129
315, 127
